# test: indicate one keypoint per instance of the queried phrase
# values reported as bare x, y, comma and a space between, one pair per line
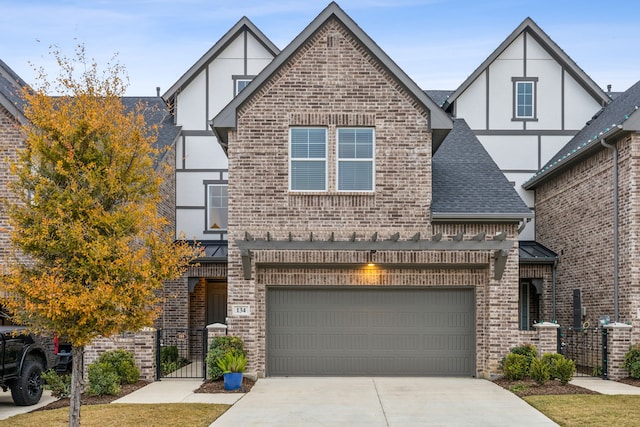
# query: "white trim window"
355, 159
524, 98
308, 159
240, 84
217, 207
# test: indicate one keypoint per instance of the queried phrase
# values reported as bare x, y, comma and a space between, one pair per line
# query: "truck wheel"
27, 389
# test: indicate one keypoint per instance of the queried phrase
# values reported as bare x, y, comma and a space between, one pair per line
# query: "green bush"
219, 347
565, 368
124, 365
632, 361
170, 360
60, 386
539, 371
529, 351
515, 366
103, 379
233, 361
551, 359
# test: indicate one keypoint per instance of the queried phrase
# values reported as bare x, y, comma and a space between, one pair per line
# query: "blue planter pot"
232, 381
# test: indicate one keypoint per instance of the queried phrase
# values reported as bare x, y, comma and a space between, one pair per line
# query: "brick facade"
332, 81
142, 344
574, 218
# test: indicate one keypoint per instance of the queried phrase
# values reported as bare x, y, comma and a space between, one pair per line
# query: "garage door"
367, 331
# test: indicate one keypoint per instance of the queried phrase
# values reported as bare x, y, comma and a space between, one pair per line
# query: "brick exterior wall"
142, 344
331, 82
11, 140
545, 273
574, 218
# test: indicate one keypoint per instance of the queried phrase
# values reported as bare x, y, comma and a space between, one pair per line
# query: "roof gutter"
479, 217
614, 151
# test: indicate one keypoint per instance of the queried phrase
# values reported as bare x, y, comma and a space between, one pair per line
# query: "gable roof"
439, 122
551, 47
156, 112
243, 24
468, 185
10, 92
619, 116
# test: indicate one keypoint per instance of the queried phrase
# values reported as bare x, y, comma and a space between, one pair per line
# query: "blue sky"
437, 42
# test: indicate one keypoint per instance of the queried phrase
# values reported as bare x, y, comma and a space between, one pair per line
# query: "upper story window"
524, 98
240, 82
308, 159
217, 207
355, 159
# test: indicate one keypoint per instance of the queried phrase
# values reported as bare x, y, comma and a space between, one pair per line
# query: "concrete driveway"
380, 402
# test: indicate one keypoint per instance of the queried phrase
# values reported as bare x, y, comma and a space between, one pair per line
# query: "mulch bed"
207, 387
218, 386
529, 387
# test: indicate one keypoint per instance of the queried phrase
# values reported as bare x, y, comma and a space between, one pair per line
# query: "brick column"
618, 343
215, 330
547, 337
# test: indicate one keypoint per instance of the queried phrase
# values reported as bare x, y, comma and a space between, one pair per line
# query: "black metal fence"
587, 347
181, 353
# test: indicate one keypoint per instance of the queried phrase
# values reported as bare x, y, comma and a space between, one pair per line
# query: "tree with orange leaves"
93, 249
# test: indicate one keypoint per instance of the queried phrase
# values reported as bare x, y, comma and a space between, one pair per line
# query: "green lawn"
589, 410
124, 415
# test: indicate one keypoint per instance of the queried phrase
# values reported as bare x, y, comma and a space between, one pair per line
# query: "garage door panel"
346, 331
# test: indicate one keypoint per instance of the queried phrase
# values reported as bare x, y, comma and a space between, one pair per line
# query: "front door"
216, 302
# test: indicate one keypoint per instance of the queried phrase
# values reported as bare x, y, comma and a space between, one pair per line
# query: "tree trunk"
77, 385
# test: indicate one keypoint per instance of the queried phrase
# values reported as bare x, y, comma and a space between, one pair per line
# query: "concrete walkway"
177, 391
9, 409
380, 402
605, 386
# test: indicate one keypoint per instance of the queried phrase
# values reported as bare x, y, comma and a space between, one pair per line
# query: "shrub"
529, 351
103, 379
60, 386
551, 359
123, 364
539, 371
219, 347
232, 361
565, 369
515, 366
170, 359
632, 361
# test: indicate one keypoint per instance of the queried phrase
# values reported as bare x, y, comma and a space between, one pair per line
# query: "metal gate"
181, 353
587, 347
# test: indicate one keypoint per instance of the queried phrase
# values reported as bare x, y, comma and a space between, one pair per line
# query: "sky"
438, 43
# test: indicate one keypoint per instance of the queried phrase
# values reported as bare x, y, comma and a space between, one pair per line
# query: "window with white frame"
355, 171
217, 207
308, 159
240, 84
524, 103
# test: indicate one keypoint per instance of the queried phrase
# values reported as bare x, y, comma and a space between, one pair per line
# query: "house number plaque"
241, 310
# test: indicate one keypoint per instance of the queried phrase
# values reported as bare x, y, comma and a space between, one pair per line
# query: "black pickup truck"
22, 360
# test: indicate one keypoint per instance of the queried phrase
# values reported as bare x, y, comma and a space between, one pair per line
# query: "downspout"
614, 150
553, 288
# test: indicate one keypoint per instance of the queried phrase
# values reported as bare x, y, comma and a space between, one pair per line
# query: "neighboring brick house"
200, 297
369, 233
11, 138
588, 209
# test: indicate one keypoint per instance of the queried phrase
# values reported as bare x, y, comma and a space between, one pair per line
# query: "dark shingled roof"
439, 96
10, 90
607, 121
467, 184
156, 112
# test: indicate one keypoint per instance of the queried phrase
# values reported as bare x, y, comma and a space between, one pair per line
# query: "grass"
589, 410
124, 415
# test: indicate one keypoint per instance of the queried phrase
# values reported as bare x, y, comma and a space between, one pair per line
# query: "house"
525, 102
361, 242
587, 205
11, 138
201, 177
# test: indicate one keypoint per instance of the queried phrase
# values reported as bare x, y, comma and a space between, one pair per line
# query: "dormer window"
524, 98
240, 82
